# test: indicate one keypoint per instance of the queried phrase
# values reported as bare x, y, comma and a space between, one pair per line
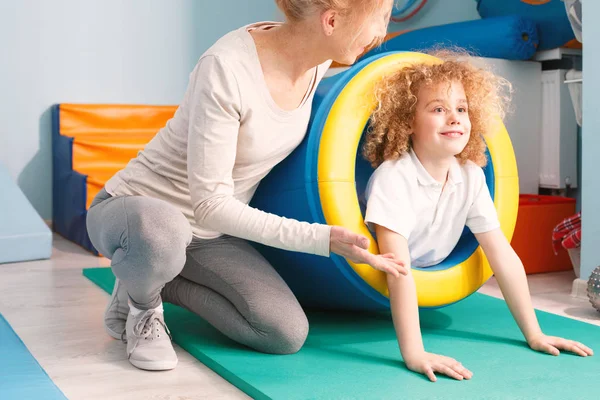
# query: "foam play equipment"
323, 181
507, 37
24, 236
355, 356
90, 143
554, 28
22, 377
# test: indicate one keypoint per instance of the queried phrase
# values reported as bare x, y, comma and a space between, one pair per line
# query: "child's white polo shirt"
403, 197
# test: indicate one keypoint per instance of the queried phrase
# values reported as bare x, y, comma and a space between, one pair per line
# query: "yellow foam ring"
336, 176
501, 150
507, 205
435, 288
506, 176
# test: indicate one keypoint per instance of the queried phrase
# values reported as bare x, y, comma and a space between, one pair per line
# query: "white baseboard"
579, 288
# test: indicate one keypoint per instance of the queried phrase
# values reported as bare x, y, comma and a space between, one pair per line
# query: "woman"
175, 222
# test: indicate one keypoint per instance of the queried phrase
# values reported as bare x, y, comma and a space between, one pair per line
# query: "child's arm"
405, 314
510, 274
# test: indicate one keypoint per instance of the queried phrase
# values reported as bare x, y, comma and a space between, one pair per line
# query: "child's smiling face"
441, 126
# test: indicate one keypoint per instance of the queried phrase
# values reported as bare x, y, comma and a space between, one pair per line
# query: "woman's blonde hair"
297, 10
389, 133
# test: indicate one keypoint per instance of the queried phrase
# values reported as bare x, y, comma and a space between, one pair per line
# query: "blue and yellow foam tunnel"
324, 179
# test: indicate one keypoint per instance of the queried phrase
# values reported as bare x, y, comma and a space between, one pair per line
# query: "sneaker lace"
143, 328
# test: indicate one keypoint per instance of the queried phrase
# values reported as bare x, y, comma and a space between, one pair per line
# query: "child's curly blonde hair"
389, 134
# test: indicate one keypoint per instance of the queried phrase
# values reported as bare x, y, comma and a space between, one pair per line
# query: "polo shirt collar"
425, 179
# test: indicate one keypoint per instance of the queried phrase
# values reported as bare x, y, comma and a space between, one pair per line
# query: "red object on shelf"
532, 240
568, 233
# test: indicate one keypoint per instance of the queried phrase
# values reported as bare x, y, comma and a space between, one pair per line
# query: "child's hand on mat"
354, 247
428, 363
552, 345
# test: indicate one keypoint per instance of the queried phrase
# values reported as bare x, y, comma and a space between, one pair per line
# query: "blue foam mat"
21, 377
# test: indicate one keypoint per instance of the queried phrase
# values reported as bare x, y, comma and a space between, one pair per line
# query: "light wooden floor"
58, 315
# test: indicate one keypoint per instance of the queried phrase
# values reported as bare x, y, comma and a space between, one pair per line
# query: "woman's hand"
354, 247
552, 345
428, 363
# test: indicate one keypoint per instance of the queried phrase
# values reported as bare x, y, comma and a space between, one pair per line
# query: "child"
426, 143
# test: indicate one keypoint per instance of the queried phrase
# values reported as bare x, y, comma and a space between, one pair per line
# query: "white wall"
96, 51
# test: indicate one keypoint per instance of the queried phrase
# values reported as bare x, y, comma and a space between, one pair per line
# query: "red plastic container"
532, 240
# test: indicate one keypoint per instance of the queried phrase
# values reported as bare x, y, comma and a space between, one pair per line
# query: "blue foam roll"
291, 190
510, 38
554, 28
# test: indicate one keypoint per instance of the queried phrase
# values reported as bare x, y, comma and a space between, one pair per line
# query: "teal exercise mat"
356, 356
21, 377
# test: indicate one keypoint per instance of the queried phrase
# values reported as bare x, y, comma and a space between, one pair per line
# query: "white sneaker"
115, 315
149, 344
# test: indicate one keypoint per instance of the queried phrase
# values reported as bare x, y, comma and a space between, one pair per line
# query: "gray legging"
223, 280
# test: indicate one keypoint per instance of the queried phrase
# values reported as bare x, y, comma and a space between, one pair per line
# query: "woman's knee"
102, 226
160, 227
285, 335
292, 336
159, 231
141, 232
